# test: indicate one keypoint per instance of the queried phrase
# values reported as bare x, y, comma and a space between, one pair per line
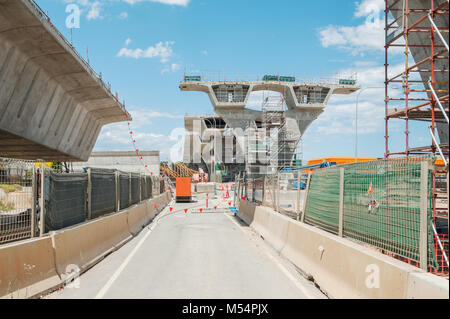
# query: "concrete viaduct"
52, 104
305, 101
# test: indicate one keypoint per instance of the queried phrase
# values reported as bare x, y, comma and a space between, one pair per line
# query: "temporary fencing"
386, 204
66, 199
17, 217
124, 182
103, 189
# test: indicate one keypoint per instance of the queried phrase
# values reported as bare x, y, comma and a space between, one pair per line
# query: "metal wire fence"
17, 218
386, 204
66, 199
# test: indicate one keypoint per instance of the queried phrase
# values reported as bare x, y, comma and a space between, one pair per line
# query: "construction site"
243, 196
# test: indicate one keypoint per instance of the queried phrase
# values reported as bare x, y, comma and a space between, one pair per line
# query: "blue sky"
142, 48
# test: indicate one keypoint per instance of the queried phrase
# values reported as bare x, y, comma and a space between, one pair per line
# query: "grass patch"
6, 207
10, 188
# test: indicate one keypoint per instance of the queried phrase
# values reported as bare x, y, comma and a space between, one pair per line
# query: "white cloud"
204, 52
127, 41
367, 36
93, 8
170, 2
94, 11
173, 67
116, 137
163, 50
123, 15
367, 7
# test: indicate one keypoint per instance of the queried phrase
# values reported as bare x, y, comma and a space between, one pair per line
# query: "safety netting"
103, 192
381, 204
66, 200
124, 185
135, 189
146, 187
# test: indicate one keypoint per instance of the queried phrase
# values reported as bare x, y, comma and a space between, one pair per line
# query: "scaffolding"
420, 28
270, 145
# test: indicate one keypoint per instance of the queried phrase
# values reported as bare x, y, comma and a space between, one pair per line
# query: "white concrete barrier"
342, 268
86, 244
273, 228
137, 218
246, 211
27, 268
30, 267
204, 188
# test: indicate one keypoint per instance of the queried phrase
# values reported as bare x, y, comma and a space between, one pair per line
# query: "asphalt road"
193, 256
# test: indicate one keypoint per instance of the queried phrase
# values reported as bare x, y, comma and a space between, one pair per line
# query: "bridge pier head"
305, 101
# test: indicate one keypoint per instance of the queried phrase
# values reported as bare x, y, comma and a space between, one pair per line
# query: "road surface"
193, 255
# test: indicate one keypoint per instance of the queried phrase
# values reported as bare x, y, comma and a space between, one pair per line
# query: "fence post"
129, 188
237, 188
306, 197
140, 187
341, 203
263, 190
274, 203
117, 181
42, 203
298, 194
33, 202
246, 186
89, 194
253, 189
423, 243
278, 192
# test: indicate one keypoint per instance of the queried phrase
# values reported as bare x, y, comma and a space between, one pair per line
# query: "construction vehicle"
183, 189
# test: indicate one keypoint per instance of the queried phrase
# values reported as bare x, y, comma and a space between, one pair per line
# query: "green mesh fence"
381, 204
322, 206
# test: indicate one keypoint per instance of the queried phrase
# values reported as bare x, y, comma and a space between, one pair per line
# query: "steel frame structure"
415, 112
427, 105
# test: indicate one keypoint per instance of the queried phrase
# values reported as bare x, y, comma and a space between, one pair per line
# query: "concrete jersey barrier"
342, 268
33, 266
27, 268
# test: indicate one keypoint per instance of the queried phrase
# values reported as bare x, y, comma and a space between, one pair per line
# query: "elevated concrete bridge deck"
52, 104
305, 101
298, 95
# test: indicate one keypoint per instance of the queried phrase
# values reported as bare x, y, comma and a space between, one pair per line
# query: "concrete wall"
123, 161
342, 268
31, 267
52, 104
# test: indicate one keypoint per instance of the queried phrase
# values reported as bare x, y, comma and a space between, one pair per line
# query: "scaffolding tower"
422, 27
270, 145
